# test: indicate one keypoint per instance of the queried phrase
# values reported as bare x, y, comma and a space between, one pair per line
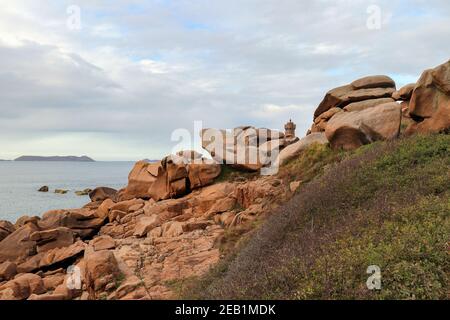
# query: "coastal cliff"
192, 227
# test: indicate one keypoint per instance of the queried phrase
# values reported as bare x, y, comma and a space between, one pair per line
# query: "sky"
115, 79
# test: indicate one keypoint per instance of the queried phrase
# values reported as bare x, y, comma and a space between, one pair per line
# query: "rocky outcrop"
245, 148
368, 88
429, 106
172, 177
361, 94
350, 130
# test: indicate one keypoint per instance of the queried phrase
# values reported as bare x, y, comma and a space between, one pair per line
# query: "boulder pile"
371, 109
245, 148
129, 249
358, 113
172, 177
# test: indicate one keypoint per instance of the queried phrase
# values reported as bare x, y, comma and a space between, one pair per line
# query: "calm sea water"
19, 182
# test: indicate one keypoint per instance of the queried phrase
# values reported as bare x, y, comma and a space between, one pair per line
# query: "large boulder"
430, 101
320, 123
372, 87
404, 93
23, 220
171, 181
101, 269
102, 193
53, 238
7, 270
103, 243
83, 222
6, 228
53, 257
350, 130
103, 210
295, 149
178, 176
379, 81
145, 224
140, 179
362, 105
22, 287
18, 246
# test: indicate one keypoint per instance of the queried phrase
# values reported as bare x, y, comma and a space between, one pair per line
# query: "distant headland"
55, 158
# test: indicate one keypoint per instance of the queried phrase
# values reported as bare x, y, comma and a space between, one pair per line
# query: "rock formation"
247, 148
429, 106
174, 176
167, 224
368, 88
368, 109
350, 130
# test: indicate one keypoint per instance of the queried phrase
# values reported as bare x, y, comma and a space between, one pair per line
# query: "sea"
19, 182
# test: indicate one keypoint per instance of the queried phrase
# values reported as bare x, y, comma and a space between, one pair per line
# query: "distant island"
55, 158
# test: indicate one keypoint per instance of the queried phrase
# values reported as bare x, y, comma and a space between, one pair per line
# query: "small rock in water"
61, 191
43, 189
84, 192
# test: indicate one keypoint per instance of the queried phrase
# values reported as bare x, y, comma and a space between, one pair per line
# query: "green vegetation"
230, 174
386, 204
310, 164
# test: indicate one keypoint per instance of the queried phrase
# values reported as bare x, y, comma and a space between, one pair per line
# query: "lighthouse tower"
289, 130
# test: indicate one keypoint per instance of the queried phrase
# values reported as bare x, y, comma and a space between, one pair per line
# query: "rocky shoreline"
166, 225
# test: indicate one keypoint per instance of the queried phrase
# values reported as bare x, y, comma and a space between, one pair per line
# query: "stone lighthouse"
289, 130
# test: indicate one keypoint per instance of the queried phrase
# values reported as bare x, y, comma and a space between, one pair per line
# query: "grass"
310, 164
386, 204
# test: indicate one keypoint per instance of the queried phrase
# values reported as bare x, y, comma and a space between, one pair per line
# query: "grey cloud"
226, 63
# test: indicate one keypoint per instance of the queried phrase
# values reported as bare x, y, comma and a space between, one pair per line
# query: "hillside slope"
387, 204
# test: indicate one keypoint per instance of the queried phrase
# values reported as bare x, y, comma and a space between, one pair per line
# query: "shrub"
386, 204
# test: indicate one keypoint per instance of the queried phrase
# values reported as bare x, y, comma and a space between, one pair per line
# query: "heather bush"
386, 204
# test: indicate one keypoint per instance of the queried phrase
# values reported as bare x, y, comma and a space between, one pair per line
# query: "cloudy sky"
118, 84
